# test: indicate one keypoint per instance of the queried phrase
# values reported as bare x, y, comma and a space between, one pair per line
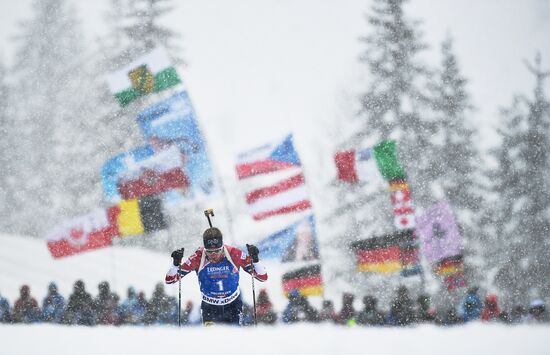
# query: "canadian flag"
91, 231
286, 196
403, 210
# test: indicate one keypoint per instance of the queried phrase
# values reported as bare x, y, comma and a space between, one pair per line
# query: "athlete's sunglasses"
213, 251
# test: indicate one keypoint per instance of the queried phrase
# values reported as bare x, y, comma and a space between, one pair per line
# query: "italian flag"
374, 164
148, 74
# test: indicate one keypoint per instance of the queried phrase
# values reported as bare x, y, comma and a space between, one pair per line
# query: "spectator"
370, 315
471, 305
425, 313
248, 315
159, 310
491, 310
80, 306
53, 305
5, 312
298, 309
131, 310
185, 314
264, 309
451, 318
327, 312
25, 309
537, 312
518, 315
141, 307
347, 314
401, 308
105, 305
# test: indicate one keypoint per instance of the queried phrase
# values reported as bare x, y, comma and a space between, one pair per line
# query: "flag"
360, 165
439, 232
388, 254
140, 216
452, 270
158, 173
88, 232
450, 265
403, 210
297, 242
410, 256
173, 122
306, 280
275, 156
148, 74
378, 254
286, 196
387, 161
118, 166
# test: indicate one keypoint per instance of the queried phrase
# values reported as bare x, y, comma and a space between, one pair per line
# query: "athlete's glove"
253, 252
177, 255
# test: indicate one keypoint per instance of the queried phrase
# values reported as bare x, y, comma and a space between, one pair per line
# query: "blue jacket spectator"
128, 308
471, 306
53, 305
5, 312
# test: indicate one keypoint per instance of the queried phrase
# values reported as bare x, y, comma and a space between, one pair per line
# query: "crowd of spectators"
161, 309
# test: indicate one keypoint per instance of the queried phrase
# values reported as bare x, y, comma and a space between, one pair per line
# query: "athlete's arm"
257, 270
175, 273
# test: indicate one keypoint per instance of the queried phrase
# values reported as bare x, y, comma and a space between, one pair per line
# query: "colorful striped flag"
271, 157
374, 164
452, 271
140, 216
378, 254
306, 280
286, 196
388, 254
358, 165
150, 73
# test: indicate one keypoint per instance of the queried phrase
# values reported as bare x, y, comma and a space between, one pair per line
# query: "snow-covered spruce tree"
523, 187
395, 102
6, 149
50, 166
135, 28
391, 108
144, 31
457, 161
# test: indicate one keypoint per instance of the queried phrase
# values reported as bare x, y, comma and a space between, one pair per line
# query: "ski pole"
254, 295
179, 302
209, 212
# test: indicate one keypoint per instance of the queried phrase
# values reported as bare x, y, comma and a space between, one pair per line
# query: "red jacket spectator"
491, 310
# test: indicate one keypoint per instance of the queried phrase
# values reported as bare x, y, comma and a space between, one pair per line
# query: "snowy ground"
281, 340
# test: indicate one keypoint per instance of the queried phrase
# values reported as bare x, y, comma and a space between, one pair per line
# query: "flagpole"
215, 172
320, 258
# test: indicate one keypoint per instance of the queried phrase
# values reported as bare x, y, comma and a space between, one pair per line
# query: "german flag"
306, 280
449, 266
392, 253
139, 216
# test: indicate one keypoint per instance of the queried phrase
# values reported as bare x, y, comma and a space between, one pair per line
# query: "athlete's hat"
212, 238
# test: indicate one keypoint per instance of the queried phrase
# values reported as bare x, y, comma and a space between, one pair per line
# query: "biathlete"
217, 266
